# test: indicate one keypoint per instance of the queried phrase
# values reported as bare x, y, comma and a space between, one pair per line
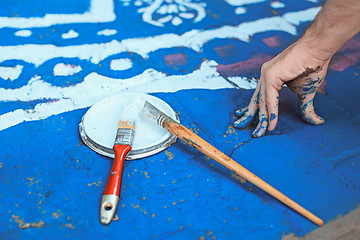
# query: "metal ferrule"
124, 136
152, 112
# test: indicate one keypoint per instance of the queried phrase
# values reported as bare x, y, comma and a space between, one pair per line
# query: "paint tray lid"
98, 127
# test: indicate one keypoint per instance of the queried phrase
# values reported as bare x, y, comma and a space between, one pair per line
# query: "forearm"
337, 22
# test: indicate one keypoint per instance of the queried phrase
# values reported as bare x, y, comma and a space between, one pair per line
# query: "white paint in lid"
101, 121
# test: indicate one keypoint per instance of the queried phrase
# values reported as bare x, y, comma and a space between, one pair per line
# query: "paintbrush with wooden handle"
200, 144
122, 146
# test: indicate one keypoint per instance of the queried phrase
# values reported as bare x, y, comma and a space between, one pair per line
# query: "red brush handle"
113, 185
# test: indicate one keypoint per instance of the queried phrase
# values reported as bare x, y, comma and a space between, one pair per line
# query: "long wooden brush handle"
200, 144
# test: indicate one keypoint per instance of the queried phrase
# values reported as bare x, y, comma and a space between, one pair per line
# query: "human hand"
298, 68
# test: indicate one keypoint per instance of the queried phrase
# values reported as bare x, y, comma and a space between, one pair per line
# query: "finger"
307, 111
272, 100
261, 128
250, 113
245, 120
241, 112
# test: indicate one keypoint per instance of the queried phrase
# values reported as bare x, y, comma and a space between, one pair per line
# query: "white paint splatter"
195, 39
243, 2
70, 34
244, 82
100, 11
10, 73
277, 4
176, 21
107, 32
62, 69
120, 64
240, 10
23, 33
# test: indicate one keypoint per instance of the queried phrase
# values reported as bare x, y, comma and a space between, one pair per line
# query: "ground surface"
57, 58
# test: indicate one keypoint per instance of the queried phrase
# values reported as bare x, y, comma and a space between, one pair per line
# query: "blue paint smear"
10, 106
272, 116
39, 8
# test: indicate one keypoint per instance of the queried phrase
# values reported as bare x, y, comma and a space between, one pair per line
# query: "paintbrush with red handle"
200, 144
122, 146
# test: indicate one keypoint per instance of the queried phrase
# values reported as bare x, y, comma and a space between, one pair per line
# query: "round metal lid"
99, 125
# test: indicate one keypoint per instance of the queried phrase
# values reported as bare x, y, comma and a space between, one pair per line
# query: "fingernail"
240, 112
321, 119
255, 133
243, 122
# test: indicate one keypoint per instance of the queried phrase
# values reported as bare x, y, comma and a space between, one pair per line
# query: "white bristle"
131, 112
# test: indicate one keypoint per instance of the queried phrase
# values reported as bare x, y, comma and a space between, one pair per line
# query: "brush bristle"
126, 124
131, 113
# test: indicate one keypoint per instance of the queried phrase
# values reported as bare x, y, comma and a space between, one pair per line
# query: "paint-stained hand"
301, 71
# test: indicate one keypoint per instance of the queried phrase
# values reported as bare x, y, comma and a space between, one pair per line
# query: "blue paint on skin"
262, 129
312, 85
272, 117
309, 116
245, 122
305, 105
255, 134
241, 112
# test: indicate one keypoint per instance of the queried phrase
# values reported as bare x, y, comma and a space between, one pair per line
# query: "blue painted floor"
51, 184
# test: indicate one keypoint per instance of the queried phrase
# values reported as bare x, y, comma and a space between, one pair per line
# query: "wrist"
320, 46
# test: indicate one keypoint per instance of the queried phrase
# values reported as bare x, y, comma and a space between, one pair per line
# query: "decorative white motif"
120, 64
241, 5
70, 34
23, 33
10, 73
161, 12
243, 2
62, 69
194, 39
107, 32
95, 87
240, 10
277, 4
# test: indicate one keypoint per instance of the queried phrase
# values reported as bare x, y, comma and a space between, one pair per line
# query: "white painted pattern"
107, 32
194, 39
243, 2
96, 87
161, 12
69, 35
10, 73
120, 64
277, 4
62, 69
23, 33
